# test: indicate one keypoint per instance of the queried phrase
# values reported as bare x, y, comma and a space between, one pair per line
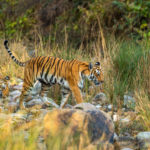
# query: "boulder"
78, 128
33, 102
143, 139
100, 99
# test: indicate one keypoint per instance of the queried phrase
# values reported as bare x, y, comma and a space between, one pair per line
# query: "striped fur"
49, 70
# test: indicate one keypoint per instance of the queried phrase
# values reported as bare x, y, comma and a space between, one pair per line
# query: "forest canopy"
82, 20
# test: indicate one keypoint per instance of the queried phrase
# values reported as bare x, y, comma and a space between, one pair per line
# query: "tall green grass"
129, 67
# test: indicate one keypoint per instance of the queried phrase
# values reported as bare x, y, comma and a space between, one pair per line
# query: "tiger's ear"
97, 64
90, 66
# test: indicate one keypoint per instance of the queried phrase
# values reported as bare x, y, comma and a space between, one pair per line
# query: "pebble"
33, 102
126, 149
17, 87
129, 102
143, 139
143, 136
125, 120
116, 138
1, 94
15, 93
110, 107
98, 106
100, 98
115, 118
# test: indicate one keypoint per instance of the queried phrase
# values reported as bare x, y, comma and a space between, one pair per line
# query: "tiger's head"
96, 74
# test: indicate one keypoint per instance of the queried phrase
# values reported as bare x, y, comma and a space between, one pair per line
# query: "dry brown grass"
143, 108
7, 66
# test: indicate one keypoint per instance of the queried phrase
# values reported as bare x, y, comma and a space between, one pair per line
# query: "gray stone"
98, 106
116, 138
68, 106
116, 117
125, 120
31, 53
109, 107
143, 139
19, 80
127, 142
1, 94
33, 102
85, 106
126, 149
36, 88
143, 136
100, 99
15, 93
129, 102
18, 87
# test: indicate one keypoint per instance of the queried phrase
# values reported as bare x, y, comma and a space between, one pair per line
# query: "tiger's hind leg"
46, 100
65, 95
24, 94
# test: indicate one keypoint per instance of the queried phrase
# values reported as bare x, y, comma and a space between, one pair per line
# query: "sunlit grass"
126, 68
143, 108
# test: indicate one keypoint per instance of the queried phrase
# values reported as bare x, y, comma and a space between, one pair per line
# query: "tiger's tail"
22, 64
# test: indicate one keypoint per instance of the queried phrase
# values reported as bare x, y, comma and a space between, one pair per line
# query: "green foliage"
13, 24
20, 25
131, 63
80, 19
135, 16
126, 61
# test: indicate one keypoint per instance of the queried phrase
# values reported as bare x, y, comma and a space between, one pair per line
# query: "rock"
85, 106
68, 106
143, 136
98, 106
15, 93
14, 96
19, 80
129, 102
116, 137
34, 102
115, 118
31, 53
126, 149
68, 127
1, 95
100, 99
7, 78
125, 120
127, 143
36, 89
109, 107
18, 87
99, 146
143, 139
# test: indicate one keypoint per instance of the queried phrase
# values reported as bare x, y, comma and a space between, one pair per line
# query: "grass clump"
143, 108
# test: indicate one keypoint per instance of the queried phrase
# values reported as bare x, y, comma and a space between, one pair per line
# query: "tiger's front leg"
77, 93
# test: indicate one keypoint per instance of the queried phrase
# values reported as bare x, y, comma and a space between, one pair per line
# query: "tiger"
48, 70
